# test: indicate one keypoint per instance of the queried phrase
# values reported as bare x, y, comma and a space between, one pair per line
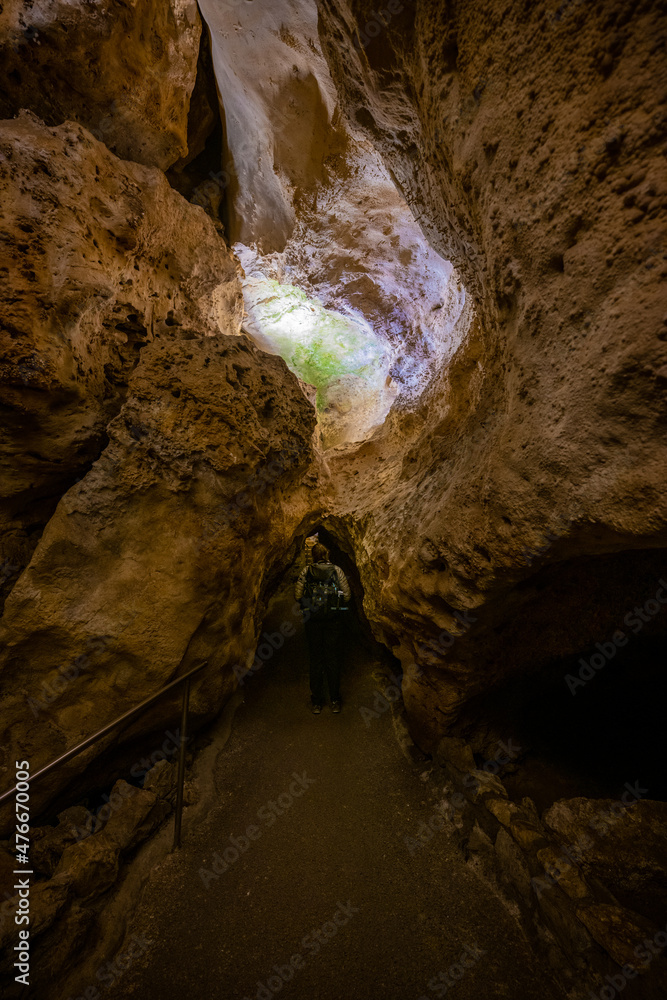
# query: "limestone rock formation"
125, 71
100, 258
528, 143
159, 557
314, 209
627, 857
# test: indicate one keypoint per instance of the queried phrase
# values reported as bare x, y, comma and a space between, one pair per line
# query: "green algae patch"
318, 344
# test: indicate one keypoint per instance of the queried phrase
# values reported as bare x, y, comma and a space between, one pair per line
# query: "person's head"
320, 553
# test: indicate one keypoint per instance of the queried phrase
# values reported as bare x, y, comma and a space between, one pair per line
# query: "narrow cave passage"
397, 269
307, 873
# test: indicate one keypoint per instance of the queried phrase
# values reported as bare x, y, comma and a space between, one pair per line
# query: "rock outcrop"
99, 258
528, 143
125, 71
159, 558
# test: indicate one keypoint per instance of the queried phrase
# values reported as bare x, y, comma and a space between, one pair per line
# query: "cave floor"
337, 850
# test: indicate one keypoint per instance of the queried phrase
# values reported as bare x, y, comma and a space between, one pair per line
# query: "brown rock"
548, 387
560, 917
485, 783
512, 864
564, 871
525, 833
161, 780
140, 812
100, 258
618, 931
47, 901
90, 865
457, 752
49, 842
478, 841
625, 850
212, 445
125, 71
501, 809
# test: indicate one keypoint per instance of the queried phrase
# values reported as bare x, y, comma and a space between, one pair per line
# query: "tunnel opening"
135, 758
282, 632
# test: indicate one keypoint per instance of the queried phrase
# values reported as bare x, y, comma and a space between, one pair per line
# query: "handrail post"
181, 766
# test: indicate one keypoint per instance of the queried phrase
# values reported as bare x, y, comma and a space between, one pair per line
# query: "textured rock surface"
311, 204
541, 176
99, 258
618, 931
626, 849
126, 71
161, 552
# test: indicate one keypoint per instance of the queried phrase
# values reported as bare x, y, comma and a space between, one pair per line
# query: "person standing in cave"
322, 591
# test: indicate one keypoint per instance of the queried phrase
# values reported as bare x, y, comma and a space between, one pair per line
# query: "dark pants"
324, 651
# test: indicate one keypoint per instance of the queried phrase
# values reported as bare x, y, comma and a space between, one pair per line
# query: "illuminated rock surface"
339, 355
541, 448
313, 206
100, 258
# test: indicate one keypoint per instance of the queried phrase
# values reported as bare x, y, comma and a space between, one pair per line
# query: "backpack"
323, 596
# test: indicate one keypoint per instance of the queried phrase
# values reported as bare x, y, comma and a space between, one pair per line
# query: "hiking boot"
335, 706
315, 708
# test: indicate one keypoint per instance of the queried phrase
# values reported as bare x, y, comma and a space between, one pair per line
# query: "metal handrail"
123, 718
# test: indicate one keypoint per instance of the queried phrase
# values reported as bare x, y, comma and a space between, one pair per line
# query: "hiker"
322, 590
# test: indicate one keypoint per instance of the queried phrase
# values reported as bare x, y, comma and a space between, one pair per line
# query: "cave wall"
529, 141
156, 560
124, 70
155, 465
539, 446
312, 205
100, 258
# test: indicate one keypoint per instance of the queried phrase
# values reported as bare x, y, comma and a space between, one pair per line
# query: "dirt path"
321, 897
